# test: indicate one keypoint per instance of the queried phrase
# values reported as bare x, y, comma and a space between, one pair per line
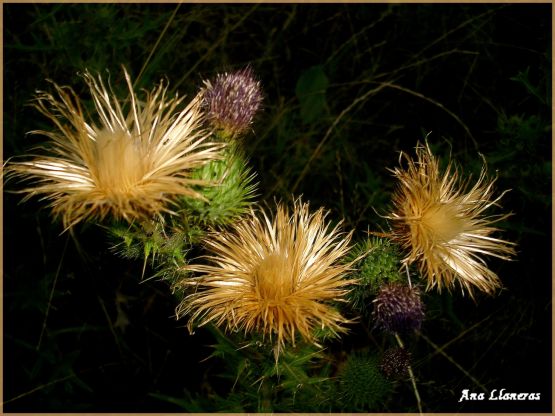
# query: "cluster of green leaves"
304, 379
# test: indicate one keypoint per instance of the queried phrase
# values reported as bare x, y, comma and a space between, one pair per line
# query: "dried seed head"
127, 164
443, 227
272, 276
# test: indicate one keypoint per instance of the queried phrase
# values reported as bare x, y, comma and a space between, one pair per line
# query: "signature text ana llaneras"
496, 394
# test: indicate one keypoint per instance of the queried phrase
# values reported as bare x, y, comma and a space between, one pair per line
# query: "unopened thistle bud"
362, 383
395, 363
232, 100
377, 262
398, 308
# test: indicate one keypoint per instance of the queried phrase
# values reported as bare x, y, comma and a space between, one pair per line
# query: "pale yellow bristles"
273, 276
443, 227
127, 164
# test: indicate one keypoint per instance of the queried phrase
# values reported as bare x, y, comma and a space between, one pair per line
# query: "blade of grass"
436, 103
318, 149
52, 293
452, 361
215, 45
57, 381
439, 350
170, 20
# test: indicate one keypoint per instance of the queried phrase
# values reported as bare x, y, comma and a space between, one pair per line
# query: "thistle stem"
412, 378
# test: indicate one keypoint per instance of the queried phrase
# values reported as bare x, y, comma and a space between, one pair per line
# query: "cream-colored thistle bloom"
441, 222
132, 164
272, 276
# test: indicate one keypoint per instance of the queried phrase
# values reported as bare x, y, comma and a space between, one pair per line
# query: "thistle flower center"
274, 277
120, 162
442, 222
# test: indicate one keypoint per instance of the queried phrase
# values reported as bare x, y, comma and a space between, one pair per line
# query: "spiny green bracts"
378, 264
230, 196
362, 383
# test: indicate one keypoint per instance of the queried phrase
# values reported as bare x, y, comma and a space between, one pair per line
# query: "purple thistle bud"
395, 363
231, 101
398, 308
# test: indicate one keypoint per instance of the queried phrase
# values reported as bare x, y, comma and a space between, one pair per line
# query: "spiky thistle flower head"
232, 100
272, 276
128, 163
442, 223
398, 308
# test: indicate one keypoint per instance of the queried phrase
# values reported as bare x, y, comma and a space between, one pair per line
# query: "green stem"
412, 378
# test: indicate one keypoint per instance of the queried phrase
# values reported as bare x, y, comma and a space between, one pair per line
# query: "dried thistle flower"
398, 308
442, 225
232, 100
272, 276
130, 165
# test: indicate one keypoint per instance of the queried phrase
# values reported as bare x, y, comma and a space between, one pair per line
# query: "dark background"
83, 333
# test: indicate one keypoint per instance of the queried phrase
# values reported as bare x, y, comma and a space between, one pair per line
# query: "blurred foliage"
347, 86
